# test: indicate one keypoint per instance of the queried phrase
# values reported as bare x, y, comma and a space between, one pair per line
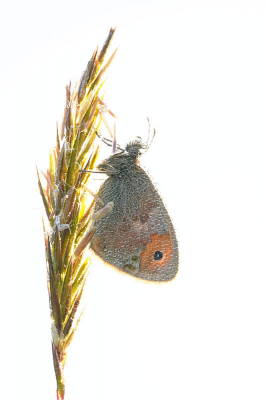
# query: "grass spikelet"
68, 229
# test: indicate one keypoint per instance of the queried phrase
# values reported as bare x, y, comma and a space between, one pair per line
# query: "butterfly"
137, 236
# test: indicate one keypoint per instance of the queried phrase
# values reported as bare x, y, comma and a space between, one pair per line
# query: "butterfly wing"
137, 236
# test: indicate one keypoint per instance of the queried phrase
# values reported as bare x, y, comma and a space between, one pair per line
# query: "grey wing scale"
138, 213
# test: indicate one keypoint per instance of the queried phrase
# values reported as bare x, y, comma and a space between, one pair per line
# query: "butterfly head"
134, 148
125, 162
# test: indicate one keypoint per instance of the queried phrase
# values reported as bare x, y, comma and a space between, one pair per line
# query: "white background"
198, 70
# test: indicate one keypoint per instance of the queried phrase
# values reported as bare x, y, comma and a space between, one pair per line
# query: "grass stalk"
69, 220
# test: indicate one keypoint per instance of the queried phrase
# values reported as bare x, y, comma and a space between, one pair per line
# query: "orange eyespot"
159, 251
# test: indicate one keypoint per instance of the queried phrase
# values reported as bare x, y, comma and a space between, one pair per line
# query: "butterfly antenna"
150, 140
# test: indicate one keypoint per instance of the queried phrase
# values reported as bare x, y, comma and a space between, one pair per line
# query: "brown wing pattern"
137, 236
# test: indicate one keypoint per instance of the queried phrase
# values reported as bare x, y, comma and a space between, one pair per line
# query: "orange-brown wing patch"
159, 243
